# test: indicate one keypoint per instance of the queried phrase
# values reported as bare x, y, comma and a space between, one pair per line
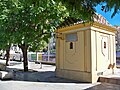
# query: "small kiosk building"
85, 51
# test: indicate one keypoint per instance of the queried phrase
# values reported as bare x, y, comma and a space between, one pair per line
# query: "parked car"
17, 56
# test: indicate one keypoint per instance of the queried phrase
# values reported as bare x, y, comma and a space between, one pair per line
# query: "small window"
71, 45
104, 45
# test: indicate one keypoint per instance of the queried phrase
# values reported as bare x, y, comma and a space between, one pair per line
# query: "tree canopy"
86, 8
30, 20
30, 23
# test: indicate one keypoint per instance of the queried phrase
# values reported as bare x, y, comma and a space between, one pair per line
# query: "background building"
117, 38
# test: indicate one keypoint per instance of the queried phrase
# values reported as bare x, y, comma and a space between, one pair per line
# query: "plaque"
72, 37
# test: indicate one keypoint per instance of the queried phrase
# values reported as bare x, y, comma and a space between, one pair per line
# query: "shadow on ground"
36, 76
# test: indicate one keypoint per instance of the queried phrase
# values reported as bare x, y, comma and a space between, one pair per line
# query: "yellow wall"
89, 58
73, 57
101, 58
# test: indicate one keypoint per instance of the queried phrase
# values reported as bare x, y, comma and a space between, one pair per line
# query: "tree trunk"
24, 48
7, 55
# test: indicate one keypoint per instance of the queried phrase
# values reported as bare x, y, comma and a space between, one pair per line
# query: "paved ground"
44, 79
105, 86
21, 85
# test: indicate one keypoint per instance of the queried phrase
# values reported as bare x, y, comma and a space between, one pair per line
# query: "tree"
86, 8
5, 46
5, 37
37, 46
29, 22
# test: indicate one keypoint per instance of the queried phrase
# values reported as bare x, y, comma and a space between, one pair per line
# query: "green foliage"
86, 8
37, 46
4, 35
30, 21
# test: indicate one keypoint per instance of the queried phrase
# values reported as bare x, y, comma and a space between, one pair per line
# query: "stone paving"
105, 86
39, 78
22, 85
44, 79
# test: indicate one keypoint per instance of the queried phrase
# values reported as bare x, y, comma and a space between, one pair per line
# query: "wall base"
74, 75
80, 76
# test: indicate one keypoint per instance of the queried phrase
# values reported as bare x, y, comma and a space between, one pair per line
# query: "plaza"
45, 79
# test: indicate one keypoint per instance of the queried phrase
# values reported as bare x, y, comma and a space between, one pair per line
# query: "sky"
113, 21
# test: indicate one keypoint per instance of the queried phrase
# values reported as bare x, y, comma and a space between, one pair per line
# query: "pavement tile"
44, 79
105, 86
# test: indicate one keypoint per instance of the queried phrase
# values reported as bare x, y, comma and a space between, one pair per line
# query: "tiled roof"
69, 22
72, 21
